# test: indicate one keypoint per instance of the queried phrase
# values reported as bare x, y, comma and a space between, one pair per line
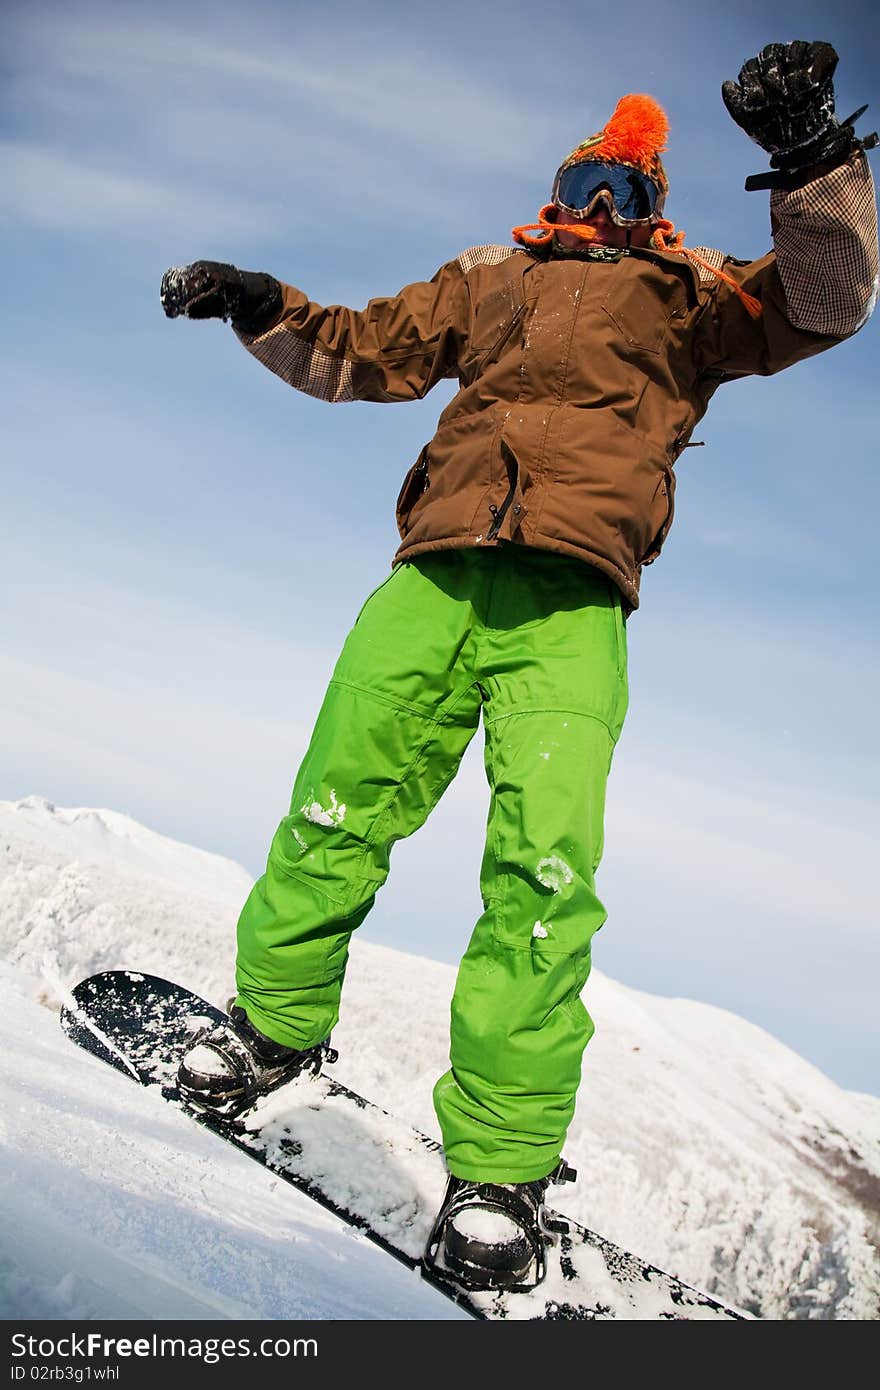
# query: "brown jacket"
581, 379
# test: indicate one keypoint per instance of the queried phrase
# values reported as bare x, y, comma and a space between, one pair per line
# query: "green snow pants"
535, 642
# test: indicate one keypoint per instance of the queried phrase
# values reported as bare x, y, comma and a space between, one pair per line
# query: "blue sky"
186, 541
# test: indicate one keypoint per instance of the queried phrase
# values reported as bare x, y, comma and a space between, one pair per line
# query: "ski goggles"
631, 195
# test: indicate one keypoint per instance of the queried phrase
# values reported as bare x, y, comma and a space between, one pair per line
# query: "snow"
702, 1143
207, 1061
334, 814
115, 1205
553, 872
490, 1227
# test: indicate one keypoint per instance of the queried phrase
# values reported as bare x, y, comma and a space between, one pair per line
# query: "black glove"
785, 102
211, 290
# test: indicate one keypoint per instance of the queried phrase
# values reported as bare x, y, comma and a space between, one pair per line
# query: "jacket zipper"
500, 513
672, 453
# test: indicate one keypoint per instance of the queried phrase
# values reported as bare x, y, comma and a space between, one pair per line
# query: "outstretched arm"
395, 349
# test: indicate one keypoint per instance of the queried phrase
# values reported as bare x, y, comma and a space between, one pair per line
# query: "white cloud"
45, 188
764, 851
436, 110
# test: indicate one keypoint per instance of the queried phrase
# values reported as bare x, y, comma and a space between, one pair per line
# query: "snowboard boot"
227, 1067
494, 1235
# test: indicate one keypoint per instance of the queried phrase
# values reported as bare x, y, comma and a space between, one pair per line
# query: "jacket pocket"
378, 589
662, 513
641, 308
495, 304
493, 352
415, 484
616, 602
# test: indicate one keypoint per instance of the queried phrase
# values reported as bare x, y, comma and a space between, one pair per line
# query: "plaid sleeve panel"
302, 365
825, 238
714, 257
485, 255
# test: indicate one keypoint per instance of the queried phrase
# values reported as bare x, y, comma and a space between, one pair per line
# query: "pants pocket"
378, 589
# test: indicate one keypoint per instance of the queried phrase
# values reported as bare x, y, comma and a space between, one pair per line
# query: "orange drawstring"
581, 229
663, 238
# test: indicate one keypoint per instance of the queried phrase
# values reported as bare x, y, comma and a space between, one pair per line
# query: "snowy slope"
703, 1144
113, 1204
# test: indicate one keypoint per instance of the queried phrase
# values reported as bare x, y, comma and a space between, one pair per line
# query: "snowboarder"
586, 353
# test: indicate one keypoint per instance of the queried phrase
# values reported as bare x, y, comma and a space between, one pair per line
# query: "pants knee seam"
552, 709
291, 872
381, 699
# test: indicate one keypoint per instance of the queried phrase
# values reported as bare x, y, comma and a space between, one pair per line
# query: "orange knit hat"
634, 137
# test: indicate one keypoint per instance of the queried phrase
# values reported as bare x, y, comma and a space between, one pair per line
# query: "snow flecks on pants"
299, 839
553, 873
334, 814
539, 929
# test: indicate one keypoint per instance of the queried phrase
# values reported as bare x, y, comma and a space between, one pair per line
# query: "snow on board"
371, 1169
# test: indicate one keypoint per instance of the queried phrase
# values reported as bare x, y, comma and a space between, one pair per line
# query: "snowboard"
372, 1170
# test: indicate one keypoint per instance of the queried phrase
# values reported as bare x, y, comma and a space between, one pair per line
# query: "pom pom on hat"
634, 136
637, 131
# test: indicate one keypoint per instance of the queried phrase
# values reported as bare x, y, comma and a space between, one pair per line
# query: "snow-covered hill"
702, 1143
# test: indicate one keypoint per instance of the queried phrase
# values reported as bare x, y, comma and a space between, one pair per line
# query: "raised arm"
819, 284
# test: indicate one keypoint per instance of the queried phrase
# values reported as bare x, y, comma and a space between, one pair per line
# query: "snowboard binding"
494, 1236
226, 1068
